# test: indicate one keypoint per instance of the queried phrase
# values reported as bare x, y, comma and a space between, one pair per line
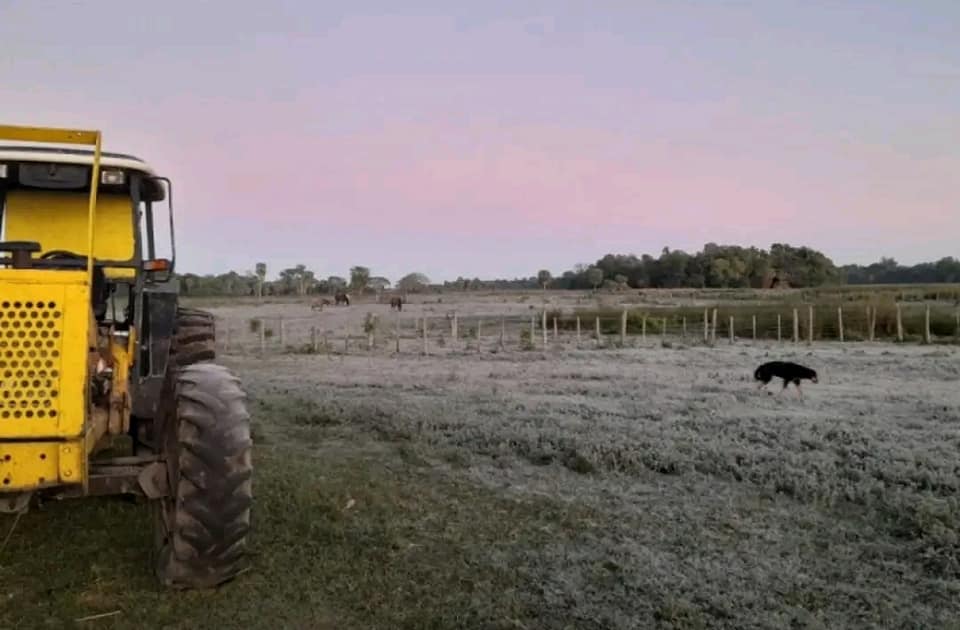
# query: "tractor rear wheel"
194, 337
202, 526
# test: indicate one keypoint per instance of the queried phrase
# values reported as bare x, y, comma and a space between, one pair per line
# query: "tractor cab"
45, 216
95, 350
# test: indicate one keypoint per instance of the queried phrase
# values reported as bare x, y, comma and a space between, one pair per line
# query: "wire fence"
902, 323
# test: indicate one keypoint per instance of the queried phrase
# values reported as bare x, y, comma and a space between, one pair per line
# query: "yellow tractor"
107, 385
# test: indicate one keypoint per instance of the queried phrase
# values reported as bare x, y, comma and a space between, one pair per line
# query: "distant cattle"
341, 298
317, 305
396, 303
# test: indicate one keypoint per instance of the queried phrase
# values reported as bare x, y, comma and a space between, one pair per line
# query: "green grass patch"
369, 536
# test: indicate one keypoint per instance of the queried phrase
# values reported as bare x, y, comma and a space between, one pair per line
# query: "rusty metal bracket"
153, 480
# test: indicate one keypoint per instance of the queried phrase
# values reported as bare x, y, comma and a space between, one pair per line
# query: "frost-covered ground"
678, 494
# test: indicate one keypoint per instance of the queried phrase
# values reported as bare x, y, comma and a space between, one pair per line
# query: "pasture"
566, 486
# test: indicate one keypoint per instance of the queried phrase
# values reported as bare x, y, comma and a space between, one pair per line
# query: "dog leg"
784, 388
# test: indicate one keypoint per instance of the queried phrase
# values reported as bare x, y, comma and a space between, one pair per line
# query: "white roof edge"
27, 155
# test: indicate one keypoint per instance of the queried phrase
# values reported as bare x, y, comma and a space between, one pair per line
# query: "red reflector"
160, 264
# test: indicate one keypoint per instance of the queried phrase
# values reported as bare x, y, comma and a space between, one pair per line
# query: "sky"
492, 139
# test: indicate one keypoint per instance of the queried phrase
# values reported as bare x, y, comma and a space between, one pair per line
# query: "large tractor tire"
193, 341
202, 526
194, 337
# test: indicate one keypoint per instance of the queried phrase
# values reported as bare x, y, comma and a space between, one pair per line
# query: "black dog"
789, 372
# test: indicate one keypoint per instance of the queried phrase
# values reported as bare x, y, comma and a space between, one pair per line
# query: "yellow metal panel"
119, 273
49, 135
45, 321
121, 352
58, 220
70, 462
30, 465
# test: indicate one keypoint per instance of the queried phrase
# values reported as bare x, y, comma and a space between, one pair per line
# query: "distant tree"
378, 283
261, 272
336, 283
359, 277
287, 283
304, 277
595, 277
413, 282
543, 278
297, 280
621, 282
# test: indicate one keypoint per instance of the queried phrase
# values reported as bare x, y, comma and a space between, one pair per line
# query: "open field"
566, 488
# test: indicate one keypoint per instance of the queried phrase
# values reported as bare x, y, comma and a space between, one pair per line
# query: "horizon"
495, 140
274, 273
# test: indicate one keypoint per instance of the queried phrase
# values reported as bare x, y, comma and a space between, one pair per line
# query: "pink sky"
495, 141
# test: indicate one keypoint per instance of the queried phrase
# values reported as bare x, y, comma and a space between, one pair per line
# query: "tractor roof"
44, 153
37, 152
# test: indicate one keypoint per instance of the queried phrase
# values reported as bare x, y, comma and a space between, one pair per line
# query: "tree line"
714, 266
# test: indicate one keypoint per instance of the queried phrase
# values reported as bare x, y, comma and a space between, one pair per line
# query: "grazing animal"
341, 298
396, 303
318, 305
789, 372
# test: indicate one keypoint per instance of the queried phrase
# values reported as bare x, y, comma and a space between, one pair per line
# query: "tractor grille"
30, 344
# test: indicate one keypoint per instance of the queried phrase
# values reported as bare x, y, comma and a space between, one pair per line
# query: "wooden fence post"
683, 329
899, 323
454, 332
706, 327
810, 324
623, 328
713, 329
556, 332
753, 325
283, 333
840, 322
544, 327
731, 329
578, 331
503, 330
779, 328
263, 335
927, 338
479, 333
597, 322
424, 334
796, 326
533, 330
872, 312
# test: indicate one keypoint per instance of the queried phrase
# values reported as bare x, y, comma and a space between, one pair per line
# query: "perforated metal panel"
46, 337
31, 334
